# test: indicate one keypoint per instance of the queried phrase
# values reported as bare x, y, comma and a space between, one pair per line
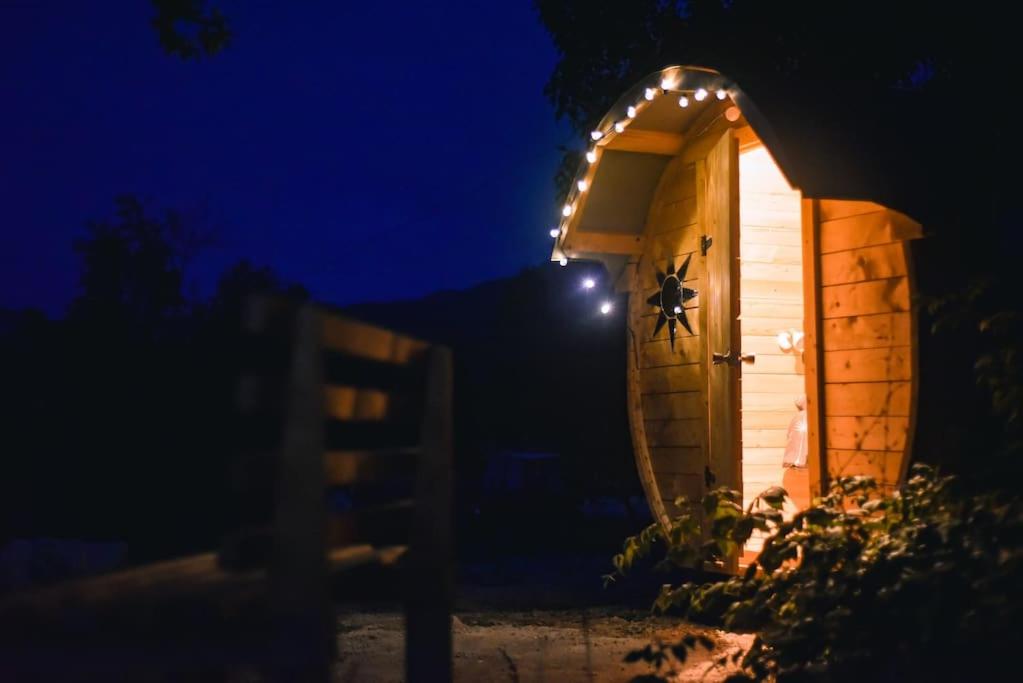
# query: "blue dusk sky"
369, 151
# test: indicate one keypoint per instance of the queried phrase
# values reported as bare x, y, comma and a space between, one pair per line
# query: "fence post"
302, 611
429, 585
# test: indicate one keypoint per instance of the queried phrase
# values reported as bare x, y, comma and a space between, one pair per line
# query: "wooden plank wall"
771, 301
868, 339
672, 383
868, 358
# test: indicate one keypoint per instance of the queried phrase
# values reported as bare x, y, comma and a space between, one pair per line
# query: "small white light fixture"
555, 233
798, 341
721, 94
581, 185
700, 95
563, 261
566, 210
631, 112
650, 93
667, 83
605, 308
678, 310
589, 283
591, 156
683, 101
791, 341
620, 127
596, 135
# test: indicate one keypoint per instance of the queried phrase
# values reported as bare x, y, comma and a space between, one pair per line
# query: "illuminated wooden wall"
867, 326
861, 379
770, 301
670, 423
837, 270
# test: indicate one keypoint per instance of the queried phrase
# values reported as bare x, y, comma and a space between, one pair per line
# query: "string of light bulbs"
667, 85
686, 96
606, 306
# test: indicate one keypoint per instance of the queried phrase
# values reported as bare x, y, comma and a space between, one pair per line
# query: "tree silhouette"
132, 274
118, 418
857, 46
189, 28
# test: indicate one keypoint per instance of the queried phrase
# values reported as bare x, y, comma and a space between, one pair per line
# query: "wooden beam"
299, 596
813, 354
428, 639
644, 142
914, 335
603, 243
703, 352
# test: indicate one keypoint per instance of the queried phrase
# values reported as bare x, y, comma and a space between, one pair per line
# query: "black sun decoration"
671, 299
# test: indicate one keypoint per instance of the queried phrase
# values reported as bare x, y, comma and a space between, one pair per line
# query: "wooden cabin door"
724, 355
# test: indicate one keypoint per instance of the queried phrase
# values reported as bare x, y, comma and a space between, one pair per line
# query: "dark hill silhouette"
537, 368
111, 436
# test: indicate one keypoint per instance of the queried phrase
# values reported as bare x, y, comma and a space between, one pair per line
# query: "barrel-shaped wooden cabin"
730, 268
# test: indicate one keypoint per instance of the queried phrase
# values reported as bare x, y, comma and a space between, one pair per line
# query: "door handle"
728, 359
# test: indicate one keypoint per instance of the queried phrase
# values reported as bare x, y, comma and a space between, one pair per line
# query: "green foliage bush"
922, 584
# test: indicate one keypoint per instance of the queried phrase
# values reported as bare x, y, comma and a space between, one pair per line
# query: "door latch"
728, 359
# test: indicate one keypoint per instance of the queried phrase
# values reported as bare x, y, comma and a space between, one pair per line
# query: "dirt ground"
586, 644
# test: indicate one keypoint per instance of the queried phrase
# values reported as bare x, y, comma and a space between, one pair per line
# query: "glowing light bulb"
566, 210
591, 156
721, 94
700, 95
650, 93
555, 233
620, 126
678, 310
563, 261
784, 341
596, 135
683, 101
667, 83
631, 112
581, 185
605, 307
589, 283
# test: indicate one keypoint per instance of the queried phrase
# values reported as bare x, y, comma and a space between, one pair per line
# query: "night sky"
370, 151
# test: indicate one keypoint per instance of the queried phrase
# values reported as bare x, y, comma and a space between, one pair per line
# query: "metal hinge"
705, 243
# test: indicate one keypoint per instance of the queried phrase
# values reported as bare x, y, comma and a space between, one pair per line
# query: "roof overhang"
606, 211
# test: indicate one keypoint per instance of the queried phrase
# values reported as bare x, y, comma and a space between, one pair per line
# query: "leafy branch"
861, 582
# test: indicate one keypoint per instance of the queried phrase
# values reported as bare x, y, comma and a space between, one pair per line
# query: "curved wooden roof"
821, 147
